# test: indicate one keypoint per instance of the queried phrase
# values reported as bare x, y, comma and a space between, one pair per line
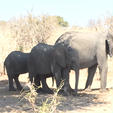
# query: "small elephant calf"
45, 60
15, 64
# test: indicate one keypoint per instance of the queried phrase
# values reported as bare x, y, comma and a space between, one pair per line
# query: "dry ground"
90, 102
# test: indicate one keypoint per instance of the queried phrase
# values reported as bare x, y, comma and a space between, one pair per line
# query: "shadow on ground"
69, 103
10, 101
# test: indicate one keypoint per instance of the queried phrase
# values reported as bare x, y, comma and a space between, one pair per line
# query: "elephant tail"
4, 69
53, 78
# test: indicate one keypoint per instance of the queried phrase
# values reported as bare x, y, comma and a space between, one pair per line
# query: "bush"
109, 23
61, 21
30, 30
48, 106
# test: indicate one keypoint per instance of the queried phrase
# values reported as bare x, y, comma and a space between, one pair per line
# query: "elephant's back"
68, 37
16, 62
39, 58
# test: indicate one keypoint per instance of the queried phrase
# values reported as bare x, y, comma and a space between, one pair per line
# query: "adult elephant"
87, 50
15, 64
48, 60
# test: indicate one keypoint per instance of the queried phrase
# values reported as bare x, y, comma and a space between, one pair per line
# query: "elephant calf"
46, 60
15, 64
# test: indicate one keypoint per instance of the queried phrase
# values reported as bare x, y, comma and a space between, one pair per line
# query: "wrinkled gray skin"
46, 60
15, 64
87, 50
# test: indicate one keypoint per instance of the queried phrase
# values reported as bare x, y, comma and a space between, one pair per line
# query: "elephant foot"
20, 88
73, 92
12, 89
63, 93
39, 90
68, 92
88, 89
103, 90
45, 91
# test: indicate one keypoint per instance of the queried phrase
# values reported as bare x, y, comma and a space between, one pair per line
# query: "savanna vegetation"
25, 32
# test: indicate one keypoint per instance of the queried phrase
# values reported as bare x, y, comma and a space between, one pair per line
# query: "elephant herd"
72, 51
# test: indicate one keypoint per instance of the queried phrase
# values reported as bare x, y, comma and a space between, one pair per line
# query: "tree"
61, 21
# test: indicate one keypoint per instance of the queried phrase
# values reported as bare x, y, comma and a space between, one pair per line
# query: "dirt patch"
90, 102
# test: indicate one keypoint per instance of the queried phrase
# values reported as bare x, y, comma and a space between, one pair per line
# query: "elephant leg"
62, 89
103, 76
103, 69
62, 76
31, 77
67, 88
91, 72
18, 85
11, 87
58, 78
37, 81
77, 80
45, 87
37, 84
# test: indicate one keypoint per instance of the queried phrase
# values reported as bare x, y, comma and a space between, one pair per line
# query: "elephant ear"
60, 58
57, 59
109, 45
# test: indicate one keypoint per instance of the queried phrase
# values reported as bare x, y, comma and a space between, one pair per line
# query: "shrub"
61, 21
30, 30
48, 106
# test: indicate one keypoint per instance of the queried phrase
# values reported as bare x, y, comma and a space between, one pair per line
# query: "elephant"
15, 64
88, 50
46, 60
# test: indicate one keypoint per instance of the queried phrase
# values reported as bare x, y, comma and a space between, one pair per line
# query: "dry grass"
22, 34
29, 31
47, 106
25, 32
90, 102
